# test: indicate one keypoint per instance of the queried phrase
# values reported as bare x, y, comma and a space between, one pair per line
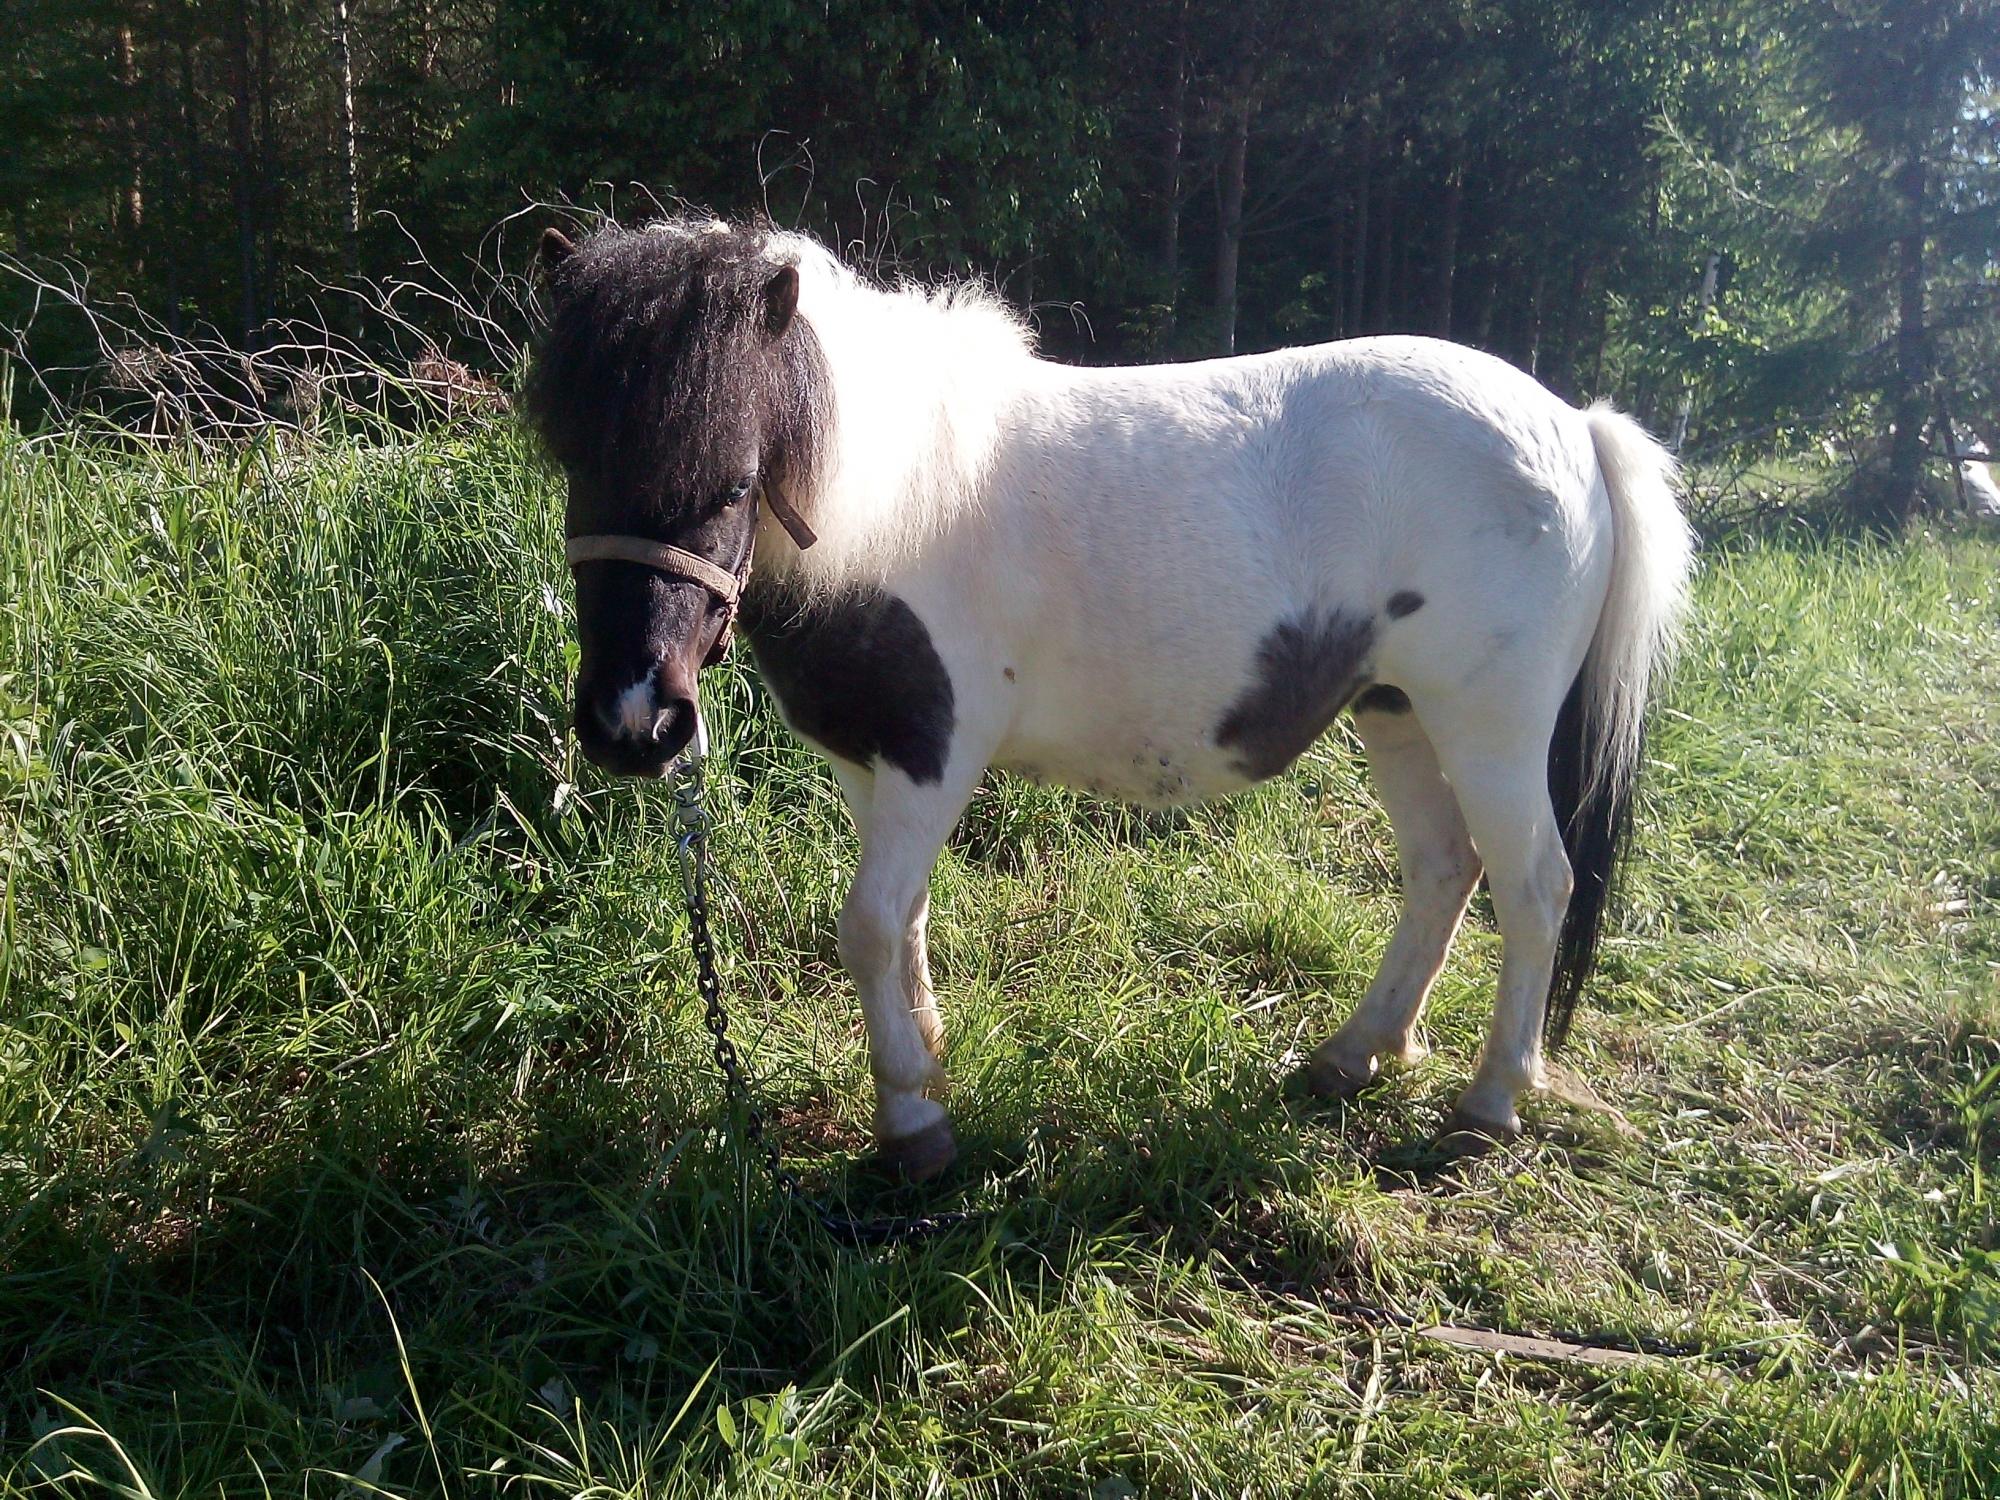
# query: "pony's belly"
1151, 771
1160, 728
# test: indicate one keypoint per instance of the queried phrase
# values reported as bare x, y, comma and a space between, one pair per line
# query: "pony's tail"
1600, 734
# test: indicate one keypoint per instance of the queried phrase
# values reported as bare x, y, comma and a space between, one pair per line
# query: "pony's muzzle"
639, 730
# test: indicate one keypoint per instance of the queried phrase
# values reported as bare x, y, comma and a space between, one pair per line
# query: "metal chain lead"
691, 852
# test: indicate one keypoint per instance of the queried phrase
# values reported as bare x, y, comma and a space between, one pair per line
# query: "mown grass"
357, 1133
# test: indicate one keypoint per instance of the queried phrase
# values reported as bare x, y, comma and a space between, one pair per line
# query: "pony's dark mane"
656, 351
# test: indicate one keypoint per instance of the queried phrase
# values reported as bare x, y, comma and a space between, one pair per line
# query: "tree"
1898, 80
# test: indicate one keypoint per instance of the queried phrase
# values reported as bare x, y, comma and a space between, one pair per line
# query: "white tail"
1651, 556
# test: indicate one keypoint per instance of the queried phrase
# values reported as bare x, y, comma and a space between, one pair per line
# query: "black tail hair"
1593, 808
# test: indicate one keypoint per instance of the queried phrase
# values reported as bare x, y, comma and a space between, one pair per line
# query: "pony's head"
681, 392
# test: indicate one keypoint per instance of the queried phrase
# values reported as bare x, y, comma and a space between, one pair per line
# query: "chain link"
691, 852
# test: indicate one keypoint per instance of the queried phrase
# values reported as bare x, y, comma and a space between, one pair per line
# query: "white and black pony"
1159, 583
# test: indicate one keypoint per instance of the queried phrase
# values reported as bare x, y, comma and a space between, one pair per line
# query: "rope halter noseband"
677, 562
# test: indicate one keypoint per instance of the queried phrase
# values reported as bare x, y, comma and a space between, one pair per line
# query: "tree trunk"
1169, 255
1487, 301
268, 188
1710, 276
1601, 329
1950, 436
132, 201
1229, 217
187, 240
350, 174
1566, 333
1711, 271
1534, 330
1402, 300
243, 186
1447, 267
1910, 397
1337, 282
1385, 265
1357, 288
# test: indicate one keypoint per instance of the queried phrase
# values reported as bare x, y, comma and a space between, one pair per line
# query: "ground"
358, 1134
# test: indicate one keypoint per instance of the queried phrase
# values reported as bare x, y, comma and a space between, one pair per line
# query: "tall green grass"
357, 1132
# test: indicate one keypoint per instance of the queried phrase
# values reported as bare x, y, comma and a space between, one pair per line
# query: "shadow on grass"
586, 1246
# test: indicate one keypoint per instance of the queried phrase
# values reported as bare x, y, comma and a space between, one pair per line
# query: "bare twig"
418, 344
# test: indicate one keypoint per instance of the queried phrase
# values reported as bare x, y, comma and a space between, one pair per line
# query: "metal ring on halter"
687, 766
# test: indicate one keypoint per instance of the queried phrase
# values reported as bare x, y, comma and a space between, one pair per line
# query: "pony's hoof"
1469, 1135
921, 1156
1329, 1080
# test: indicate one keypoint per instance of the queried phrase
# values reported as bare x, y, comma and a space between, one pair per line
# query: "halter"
677, 562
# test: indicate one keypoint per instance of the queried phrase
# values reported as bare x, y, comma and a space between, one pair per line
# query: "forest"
1767, 227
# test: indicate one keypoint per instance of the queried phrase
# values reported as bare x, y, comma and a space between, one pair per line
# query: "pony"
1158, 583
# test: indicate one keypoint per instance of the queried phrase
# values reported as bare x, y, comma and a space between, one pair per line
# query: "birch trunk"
1169, 254
350, 175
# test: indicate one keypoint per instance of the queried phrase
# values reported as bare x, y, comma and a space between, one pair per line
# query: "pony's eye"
741, 490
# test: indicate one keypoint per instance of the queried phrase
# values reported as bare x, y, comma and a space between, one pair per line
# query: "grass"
357, 1133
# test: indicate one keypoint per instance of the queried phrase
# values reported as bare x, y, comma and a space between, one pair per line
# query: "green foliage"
357, 1132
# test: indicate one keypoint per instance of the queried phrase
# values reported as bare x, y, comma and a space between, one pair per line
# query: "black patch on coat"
1383, 699
856, 673
1307, 669
1404, 602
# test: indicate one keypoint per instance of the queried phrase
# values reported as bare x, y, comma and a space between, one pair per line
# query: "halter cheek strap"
789, 518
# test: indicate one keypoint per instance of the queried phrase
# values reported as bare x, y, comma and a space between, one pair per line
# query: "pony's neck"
918, 379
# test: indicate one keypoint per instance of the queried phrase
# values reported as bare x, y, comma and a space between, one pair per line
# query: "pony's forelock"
655, 350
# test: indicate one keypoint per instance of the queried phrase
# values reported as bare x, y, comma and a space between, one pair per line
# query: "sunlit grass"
355, 1117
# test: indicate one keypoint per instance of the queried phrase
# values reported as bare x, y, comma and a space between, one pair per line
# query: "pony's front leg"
857, 788
881, 943
917, 974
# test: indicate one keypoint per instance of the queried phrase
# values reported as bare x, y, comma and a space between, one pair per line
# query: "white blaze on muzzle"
637, 710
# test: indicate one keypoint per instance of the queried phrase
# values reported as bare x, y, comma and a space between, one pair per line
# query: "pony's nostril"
605, 712
674, 726
638, 730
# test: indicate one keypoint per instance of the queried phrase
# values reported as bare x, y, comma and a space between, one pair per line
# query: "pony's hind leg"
1497, 763
881, 944
1439, 870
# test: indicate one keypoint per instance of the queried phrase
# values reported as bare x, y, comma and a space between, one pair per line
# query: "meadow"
358, 1133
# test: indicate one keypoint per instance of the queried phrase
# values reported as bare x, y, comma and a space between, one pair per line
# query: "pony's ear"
556, 247
781, 301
